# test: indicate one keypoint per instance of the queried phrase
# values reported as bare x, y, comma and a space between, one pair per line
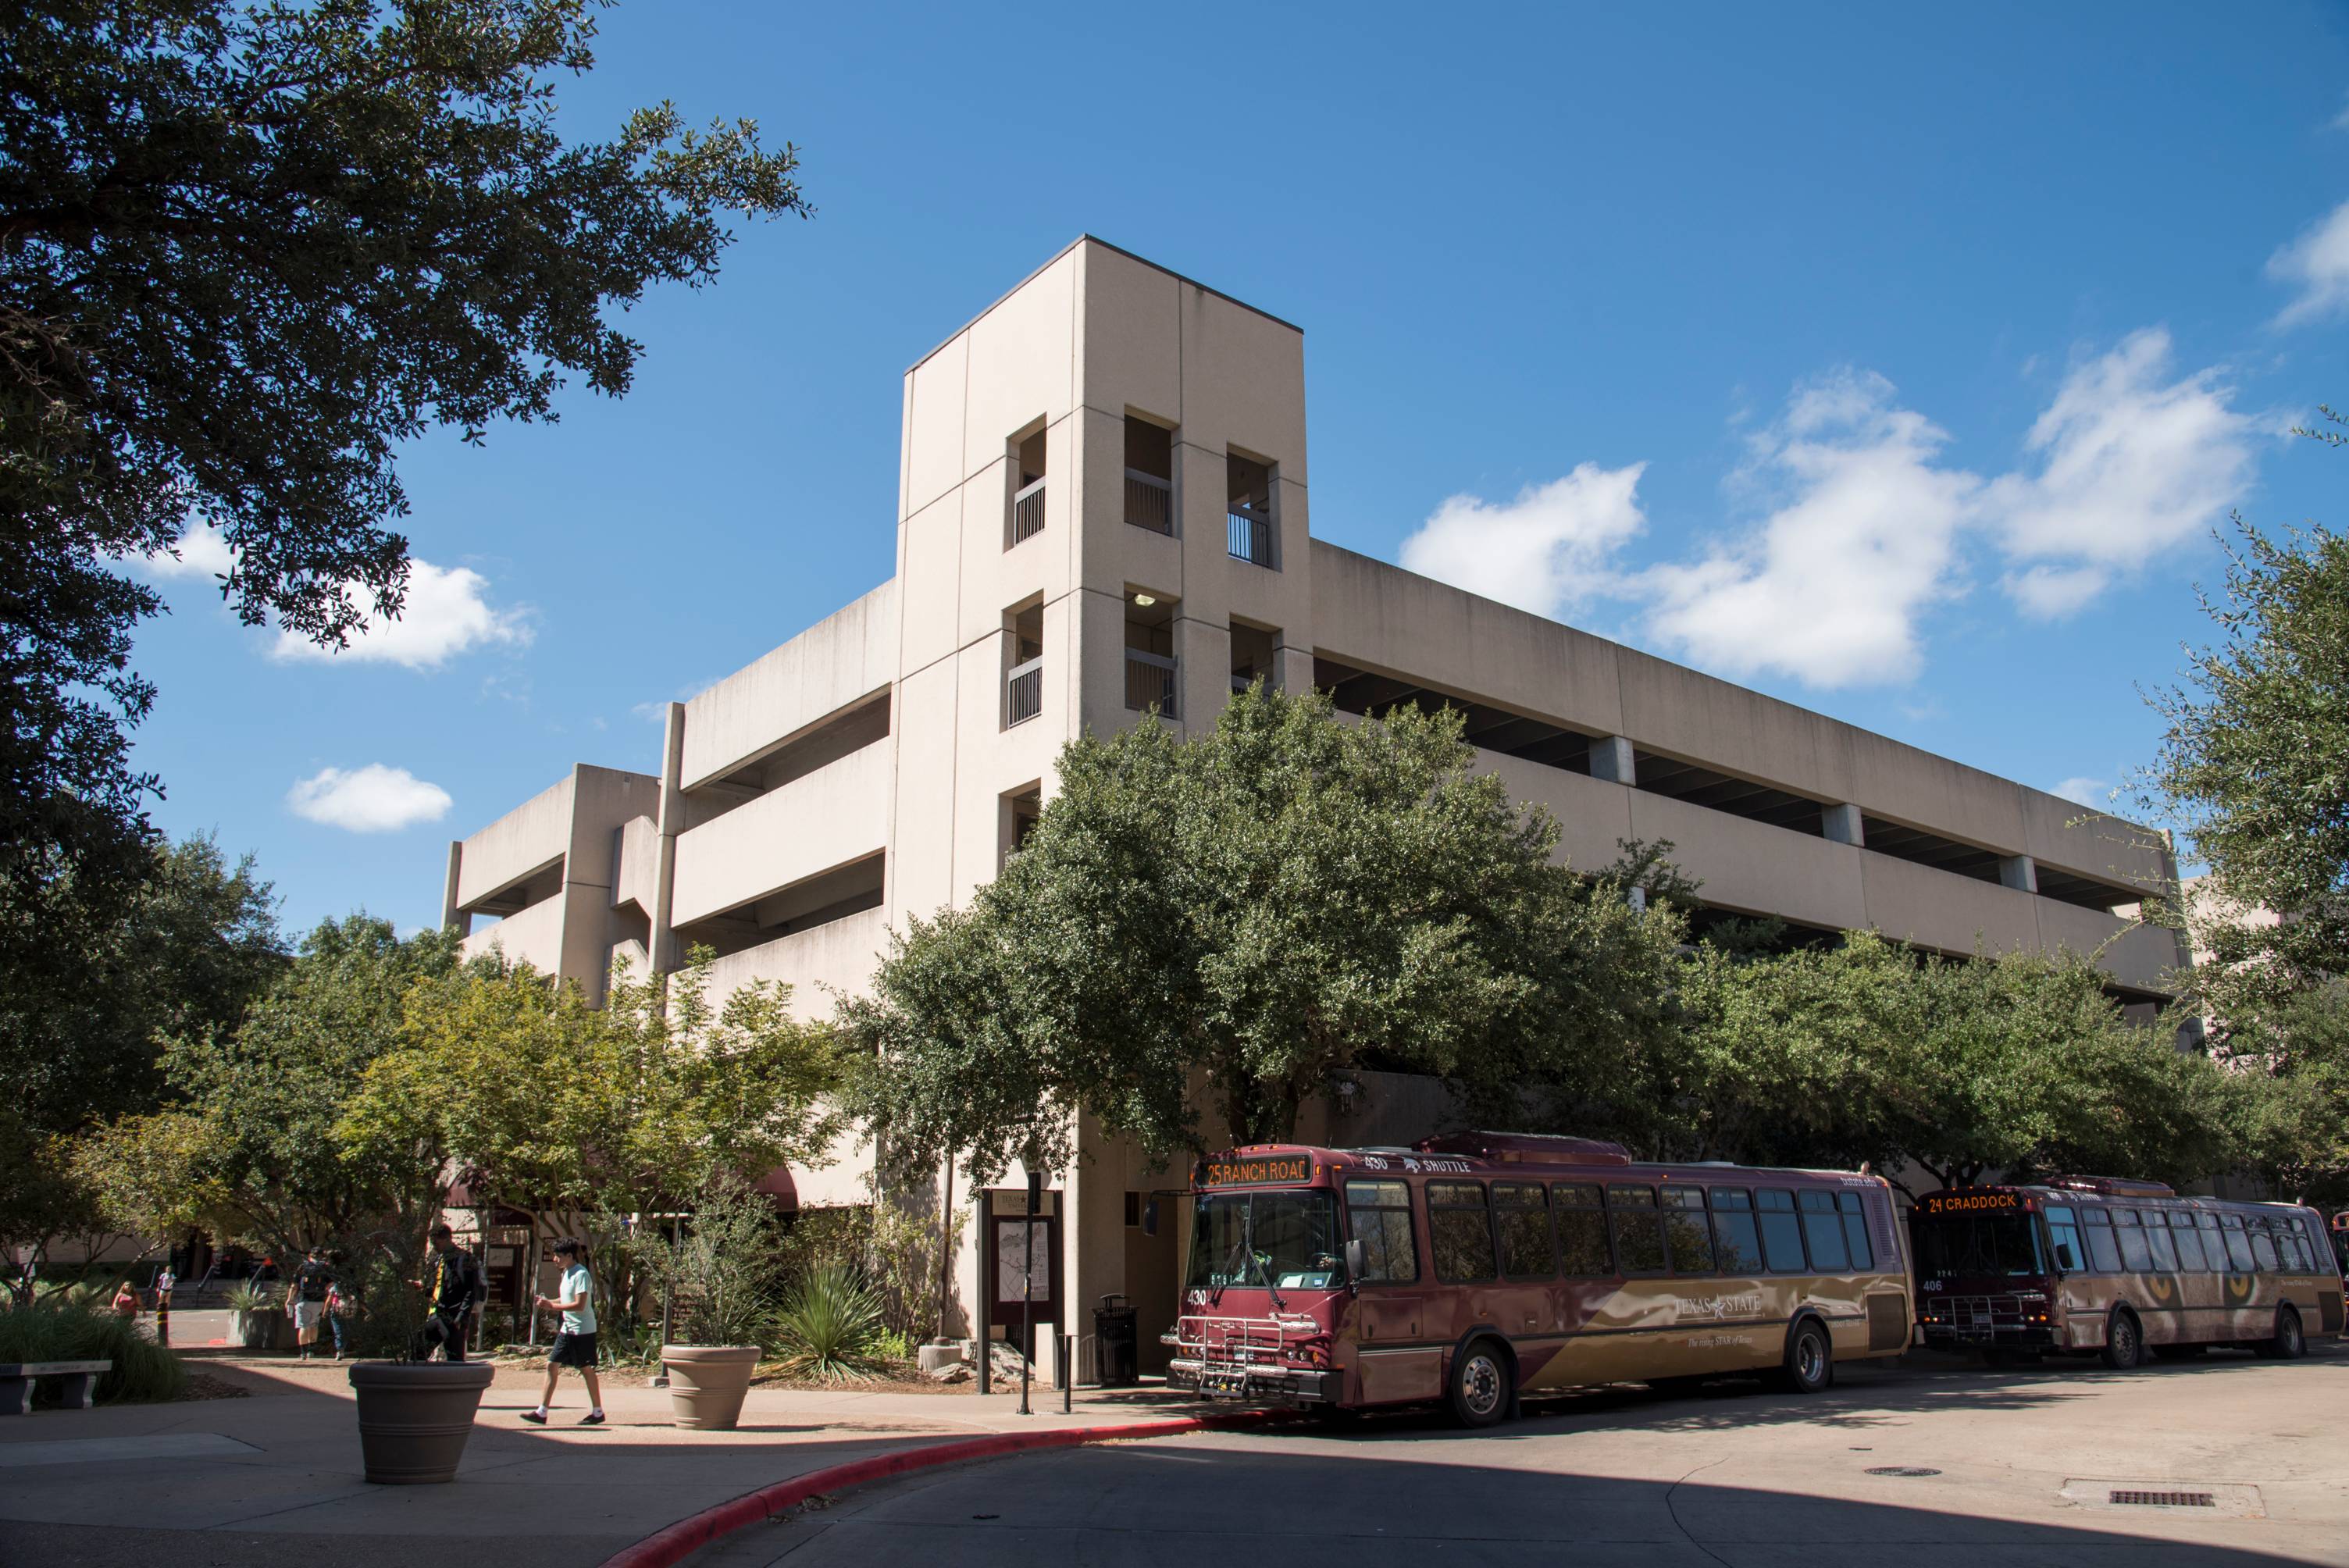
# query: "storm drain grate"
2164, 1500
1901, 1469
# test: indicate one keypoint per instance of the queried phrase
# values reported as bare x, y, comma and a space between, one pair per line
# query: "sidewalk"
221, 1481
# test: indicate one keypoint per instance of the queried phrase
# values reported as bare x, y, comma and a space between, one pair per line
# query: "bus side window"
2104, 1252
2064, 1231
1380, 1212
1522, 1217
2239, 1250
1691, 1237
1823, 1233
1460, 1232
2294, 1249
1855, 1228
2263, 1247
2136, 1256
1582, 1230
1782, 1232
1639, 1229
1733, 1228
2156, 1237
2188, 1242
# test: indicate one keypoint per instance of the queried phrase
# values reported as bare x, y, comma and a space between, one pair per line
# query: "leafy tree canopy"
247, 249
1247, 914
86, 1004
2254, 767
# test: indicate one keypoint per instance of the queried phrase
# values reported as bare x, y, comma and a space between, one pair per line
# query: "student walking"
312, 1282
575, 1342
454, 1283
338, 1313
126, 1300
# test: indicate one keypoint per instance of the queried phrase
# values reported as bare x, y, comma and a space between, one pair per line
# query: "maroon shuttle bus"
1475, 1266
2116, 1268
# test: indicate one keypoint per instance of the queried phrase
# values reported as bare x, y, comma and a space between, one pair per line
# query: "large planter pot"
414, 1416
264, 1329
706, 1384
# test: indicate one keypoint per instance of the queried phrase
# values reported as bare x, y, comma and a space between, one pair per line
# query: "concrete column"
1840, 822
1610, 758
661, 948
2019, 871
450, 913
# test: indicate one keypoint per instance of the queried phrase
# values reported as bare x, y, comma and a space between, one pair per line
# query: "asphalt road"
2021, 1469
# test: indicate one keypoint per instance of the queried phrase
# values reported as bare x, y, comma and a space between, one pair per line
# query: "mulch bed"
204, 1386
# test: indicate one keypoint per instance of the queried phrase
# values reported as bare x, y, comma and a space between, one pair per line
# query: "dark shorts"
573, 1350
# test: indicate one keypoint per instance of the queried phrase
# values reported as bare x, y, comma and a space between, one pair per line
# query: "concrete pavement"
2019, 1467
226, 1480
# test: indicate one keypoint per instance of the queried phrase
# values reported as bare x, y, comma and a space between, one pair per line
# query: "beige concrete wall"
1754, 868
533, 937
840, 660
517, 845
840, 953
828, 818
639, 861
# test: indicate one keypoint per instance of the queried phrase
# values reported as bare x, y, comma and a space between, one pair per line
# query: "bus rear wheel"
2290, 1342
2123, 1342
1810, 1360
1479, 1391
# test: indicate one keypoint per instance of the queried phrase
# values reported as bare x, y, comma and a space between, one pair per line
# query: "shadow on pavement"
1183, 1505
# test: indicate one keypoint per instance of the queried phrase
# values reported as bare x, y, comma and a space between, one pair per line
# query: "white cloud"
1863, 535
2316, 266
447, 612
370, 799
1549, 551
201, 552
2094, 793
2131, 462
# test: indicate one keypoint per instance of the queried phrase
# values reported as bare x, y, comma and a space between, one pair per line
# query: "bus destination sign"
1261, 1170
1988, 1203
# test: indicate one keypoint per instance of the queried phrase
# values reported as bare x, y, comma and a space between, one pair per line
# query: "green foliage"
41, 1195
82, 1014
830, 1328
61, 1329
2292, 1059
901, 1259
2253, 769
725, 1268
250, 251
246, 1296
270, 1096
1282, 899
2013, 1062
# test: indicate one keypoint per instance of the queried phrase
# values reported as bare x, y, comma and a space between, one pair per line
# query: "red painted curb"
689, 1534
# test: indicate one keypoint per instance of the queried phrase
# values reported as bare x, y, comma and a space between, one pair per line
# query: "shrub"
725, 1269
829, 1328
56, 1330
244, 1296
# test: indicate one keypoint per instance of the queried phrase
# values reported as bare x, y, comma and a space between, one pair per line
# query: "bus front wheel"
2290, 1342
2123, 1342
1479, 1392
1810, 1360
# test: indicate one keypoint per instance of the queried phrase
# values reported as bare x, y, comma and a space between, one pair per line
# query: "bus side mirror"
2064, 1264
1356, 1262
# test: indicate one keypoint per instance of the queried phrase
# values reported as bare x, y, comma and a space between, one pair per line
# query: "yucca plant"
245, 1296
829, 1328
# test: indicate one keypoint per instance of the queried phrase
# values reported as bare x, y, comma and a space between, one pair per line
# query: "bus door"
1397, 1355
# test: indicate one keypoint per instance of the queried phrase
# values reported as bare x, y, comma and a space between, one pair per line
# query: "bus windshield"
1285, 1240
2006, 1245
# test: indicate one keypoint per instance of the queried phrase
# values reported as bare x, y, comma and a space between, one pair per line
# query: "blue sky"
1896, 362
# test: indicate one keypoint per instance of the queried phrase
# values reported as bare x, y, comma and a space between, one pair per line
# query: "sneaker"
534, 1418
592, 1419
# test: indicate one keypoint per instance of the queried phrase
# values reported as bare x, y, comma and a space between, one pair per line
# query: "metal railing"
1149, 682
1023, 692
1249, 535
1149, 501
1028, 512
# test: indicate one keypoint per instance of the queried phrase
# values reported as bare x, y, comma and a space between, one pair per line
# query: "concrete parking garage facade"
1105, 502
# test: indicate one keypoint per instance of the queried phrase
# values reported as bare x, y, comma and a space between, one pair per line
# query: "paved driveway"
2022, 1469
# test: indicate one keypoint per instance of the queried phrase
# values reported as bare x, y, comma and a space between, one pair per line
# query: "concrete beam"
451, 912
661, 950
2019, 871
1840, 822
1610, 758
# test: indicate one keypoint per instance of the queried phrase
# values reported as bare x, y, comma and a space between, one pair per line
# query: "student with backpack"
453, 1289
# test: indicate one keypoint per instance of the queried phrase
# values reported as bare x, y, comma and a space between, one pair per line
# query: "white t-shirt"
578, 1282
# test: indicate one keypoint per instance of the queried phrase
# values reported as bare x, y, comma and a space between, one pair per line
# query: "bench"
16, 1383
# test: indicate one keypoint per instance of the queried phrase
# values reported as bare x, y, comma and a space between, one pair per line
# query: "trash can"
1115, 1350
